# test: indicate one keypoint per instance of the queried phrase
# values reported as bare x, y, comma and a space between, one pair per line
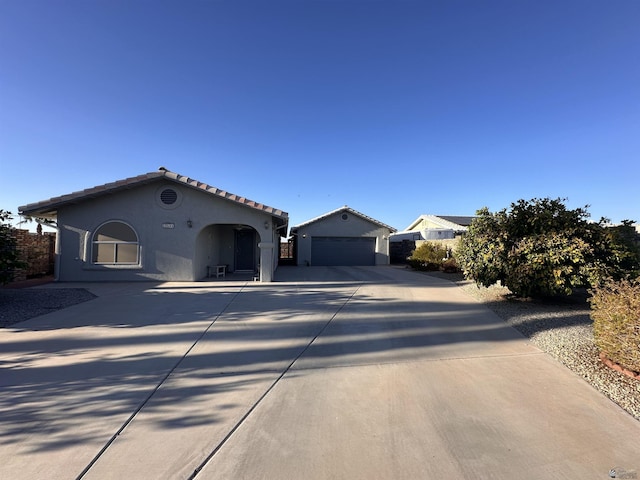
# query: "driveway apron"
361, 372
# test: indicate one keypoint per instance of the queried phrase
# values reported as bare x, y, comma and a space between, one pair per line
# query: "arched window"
115, 243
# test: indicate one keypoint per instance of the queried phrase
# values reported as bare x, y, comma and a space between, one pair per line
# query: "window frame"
116, 243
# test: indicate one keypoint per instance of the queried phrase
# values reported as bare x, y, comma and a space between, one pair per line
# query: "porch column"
266, 261
57, 254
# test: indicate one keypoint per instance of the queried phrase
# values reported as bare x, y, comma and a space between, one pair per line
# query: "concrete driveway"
329, 373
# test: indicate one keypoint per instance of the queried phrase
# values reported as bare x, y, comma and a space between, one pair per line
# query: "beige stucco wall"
423, 224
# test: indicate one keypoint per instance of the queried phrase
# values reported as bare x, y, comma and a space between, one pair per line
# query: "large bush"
540, 248
615, 310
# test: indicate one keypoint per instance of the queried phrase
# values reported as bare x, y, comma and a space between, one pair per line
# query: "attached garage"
329, 251
342, 237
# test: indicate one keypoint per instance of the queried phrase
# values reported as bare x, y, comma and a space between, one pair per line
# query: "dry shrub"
615, 310
450, 265
428, 256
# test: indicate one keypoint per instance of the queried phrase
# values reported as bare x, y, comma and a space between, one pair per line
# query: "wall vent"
168, 196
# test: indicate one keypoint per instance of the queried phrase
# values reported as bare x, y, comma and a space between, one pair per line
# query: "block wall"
37, 250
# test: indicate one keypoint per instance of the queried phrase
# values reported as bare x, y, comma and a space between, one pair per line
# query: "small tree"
539, 248
9, 259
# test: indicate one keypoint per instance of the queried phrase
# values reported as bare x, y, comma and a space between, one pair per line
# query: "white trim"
115, 263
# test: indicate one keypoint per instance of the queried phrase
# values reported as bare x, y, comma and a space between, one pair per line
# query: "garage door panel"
333, 251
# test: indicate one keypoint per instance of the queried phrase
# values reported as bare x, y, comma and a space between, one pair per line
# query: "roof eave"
54, 203
51, 206
343, 209
414, 223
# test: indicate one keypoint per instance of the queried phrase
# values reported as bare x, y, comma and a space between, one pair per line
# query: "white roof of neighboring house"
454, 222
344, 209
49, 207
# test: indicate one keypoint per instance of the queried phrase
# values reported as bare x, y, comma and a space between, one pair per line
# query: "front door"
245, 250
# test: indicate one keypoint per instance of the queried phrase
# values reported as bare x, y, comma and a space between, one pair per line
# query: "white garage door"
326, 251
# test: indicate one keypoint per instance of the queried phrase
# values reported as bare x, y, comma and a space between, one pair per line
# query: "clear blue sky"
395, 108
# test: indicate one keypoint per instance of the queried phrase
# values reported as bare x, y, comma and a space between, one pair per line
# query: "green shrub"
615, 310
540, 248
546, 265
429, 256
625, 241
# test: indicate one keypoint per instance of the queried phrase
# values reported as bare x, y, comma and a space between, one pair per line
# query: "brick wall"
38, 251
287, 255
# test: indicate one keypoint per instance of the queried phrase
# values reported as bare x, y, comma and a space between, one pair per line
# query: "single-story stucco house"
342, 237
161, 226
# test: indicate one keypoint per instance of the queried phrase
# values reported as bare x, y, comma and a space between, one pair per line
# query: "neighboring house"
444, 228
342, 237
161, 226
430, 225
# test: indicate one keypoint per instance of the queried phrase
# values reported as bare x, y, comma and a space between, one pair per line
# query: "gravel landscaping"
563, 329
17, 305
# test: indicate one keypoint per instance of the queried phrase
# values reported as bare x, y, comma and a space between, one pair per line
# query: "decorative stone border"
618, 368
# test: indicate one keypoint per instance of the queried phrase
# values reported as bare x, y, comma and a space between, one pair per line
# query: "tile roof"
50, 206
345, 209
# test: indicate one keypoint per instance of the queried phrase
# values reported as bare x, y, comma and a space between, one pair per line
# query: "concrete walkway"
329, 373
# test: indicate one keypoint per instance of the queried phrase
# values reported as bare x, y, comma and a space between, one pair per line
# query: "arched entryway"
234, 246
